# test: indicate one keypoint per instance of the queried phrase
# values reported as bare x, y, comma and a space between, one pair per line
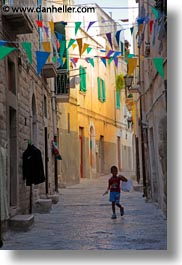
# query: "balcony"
49, 70
62, 86
18, 22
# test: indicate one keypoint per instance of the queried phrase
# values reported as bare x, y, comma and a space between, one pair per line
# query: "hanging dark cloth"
33, 170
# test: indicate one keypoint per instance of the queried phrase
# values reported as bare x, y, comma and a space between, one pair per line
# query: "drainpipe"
141, 82
1, 241
54, 116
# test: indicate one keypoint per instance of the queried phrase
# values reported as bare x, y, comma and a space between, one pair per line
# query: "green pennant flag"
5, 51
27, 46
158, 62
110, 60
131, 30
131, 55
77, 26
54, 59
70, 43
91, 61
89, 49
62, 48
155, 12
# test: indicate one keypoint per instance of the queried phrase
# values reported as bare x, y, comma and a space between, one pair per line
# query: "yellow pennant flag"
79, 41
85, 46
132, 64
47, 47
64, 60
142, 57
141, 27
74, 45
51, 24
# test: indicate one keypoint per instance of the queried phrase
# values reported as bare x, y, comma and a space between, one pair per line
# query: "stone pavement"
82, 221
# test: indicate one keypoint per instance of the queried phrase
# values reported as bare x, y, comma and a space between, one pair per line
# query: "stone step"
42, 206
21, 223
53, 197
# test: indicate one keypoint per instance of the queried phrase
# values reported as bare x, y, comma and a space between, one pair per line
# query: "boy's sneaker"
113, 216
122, 211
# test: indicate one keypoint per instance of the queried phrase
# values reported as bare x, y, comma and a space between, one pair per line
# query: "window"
101, 89
45, 106
118, 99
11, 77
83, 83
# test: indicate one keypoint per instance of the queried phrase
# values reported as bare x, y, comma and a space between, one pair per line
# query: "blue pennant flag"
41, 60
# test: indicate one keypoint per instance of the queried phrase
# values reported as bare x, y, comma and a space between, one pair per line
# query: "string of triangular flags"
43, 56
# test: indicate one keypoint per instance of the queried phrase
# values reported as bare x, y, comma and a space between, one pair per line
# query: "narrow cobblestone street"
82, 221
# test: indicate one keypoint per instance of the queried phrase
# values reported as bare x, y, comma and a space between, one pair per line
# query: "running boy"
114, 188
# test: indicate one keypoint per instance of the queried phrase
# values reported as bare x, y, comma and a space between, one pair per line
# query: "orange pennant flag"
51, 24
64, 60
47, 47
74, 46
141, 27
85, 46
132, 64
79, 41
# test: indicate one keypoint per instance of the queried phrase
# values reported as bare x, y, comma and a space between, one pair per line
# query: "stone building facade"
154, 102
26, 113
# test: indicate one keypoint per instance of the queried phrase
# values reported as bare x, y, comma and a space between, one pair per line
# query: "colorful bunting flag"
41, 58
47, 47
151, 26
79, 41
51, 24
58, 44
103, 60
85, 46
91, 61
64, 60
39, 23
132, 64
46, 31
77, 26
90, 24
140, 20
27, 46
131, 55
54, 59
62, 48
155, 12
5, 51
116, 54
59, 36
158, 62
3, 42
131, 30
74, 45
74, 61
70, 43
89, 49
108, 35
110, 52
116, 61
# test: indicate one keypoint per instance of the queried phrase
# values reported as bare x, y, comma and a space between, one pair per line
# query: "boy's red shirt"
114, 184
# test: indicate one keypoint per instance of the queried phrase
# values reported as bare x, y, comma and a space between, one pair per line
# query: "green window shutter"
84, 80
117, 99
83, 85
103, 91
98, 86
